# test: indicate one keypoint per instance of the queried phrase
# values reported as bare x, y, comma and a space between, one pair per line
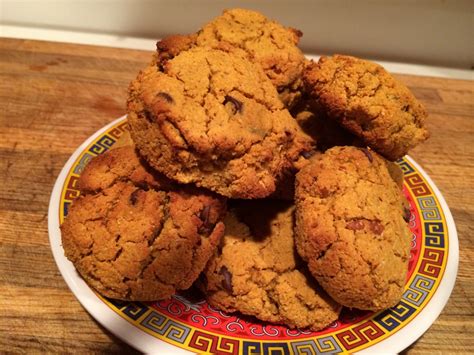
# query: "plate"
179, 325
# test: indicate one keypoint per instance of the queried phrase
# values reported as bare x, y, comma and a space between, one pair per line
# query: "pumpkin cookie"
212, 118
350, 227
133, 235
366, 100
256, 271
266, 42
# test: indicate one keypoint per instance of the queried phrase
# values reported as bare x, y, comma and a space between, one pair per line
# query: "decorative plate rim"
145, 342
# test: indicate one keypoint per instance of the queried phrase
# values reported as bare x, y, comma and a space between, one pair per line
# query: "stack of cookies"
264, 179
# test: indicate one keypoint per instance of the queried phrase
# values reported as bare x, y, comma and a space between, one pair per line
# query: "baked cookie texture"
350, 227
212, 118
266, 42
365, 99
256, 270
133, 235
121, 164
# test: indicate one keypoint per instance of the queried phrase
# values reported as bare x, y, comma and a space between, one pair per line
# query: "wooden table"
54, 96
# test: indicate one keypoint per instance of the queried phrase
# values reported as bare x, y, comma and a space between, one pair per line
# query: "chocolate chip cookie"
350, 227
365, 99
267, 43
256, 270
212, 118
133, 235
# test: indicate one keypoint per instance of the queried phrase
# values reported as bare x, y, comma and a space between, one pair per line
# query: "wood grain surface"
55, 95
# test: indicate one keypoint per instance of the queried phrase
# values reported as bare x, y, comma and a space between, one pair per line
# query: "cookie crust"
365, 99
212, 118
266, 43
134, 237
350, 227
257, 273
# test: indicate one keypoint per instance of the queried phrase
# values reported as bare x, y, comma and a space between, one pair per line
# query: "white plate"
180, 326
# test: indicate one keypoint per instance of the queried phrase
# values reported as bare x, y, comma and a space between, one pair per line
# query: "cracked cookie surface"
132, 235
266, 42
256, 270
212, 118
365, 99
350, 227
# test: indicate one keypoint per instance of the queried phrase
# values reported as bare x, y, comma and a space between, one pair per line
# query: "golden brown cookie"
212, 118
365, 99
121, 164
267, 43
350, 227
134, 236
256, 271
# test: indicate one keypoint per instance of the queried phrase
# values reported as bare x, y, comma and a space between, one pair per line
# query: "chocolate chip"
406, 214
237, 104
160, 67
204, 216
281, 88
358, 224
134, 197
161, 46
142, 185
368, 154
376, 227
323, 192
167, 97
149, 116
297, 32
227, 282
355, 225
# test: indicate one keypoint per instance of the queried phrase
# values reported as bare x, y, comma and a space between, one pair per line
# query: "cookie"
121, 164
212, 118
350, 227
366, 100
134, 237
257, 273
267, 43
